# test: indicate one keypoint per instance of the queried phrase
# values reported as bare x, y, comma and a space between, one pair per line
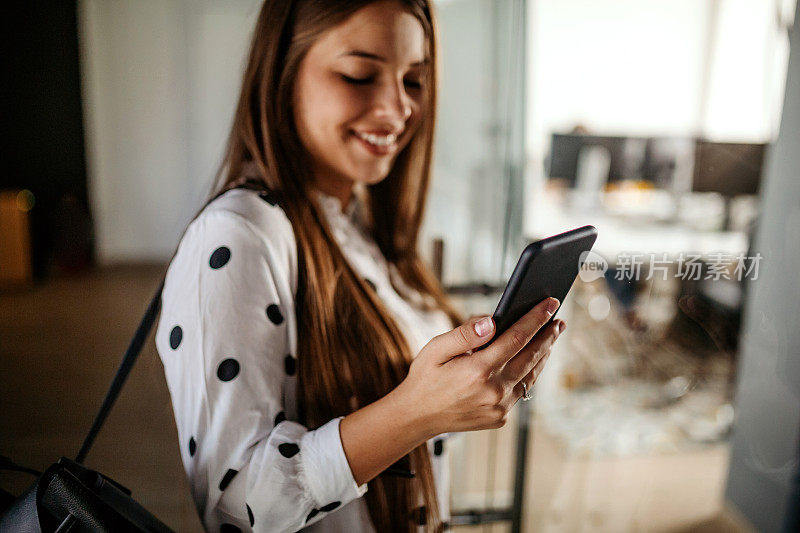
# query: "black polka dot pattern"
175, 337
290, 365
269, 197
330, 507
325, 508
438, 447
274, 314
229, 528
250, 515
220, 257
371, 284
288, 449
228, 369
280, 417
192, 446
226, 479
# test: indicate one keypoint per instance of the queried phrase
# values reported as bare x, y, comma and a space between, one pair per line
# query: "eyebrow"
375, 57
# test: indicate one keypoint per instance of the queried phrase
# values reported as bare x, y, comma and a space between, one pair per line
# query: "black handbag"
69, 497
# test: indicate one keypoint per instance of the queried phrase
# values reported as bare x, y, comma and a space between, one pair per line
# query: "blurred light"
677, 387
725, 415
599, 307
25, 200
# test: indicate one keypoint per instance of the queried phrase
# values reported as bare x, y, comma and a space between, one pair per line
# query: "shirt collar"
333, 207
354, 212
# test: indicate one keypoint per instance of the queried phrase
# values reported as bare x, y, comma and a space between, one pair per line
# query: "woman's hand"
451, 386
459, 389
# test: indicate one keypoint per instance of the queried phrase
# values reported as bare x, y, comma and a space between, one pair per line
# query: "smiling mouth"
376, 139
380, 144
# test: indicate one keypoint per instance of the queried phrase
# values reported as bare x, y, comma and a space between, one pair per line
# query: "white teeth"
377, 140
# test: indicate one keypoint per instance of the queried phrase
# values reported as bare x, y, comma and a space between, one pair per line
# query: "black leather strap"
124, 369
144, 328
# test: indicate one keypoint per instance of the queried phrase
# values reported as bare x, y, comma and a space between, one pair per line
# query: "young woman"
310, 354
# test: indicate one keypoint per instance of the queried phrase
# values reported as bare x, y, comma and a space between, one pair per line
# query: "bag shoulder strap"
124, 369
145, 325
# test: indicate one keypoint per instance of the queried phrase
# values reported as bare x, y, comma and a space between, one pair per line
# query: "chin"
371, 177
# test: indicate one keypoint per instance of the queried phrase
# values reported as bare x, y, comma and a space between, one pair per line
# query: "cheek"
335, 108
413, 123
321, 110
331, 107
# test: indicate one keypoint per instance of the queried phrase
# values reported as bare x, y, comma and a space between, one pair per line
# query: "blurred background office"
672, 402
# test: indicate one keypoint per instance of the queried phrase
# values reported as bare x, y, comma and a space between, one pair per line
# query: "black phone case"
546, 268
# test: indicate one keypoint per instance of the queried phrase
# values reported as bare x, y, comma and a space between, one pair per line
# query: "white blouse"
227, 338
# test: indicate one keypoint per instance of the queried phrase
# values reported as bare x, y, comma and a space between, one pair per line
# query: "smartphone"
546, 268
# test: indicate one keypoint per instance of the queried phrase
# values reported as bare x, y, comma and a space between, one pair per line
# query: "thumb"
470, 335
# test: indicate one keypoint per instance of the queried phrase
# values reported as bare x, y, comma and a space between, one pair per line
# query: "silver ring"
525, 395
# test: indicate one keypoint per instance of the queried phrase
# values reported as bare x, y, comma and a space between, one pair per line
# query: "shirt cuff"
328, 473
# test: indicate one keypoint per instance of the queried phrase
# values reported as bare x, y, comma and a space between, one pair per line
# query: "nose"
393, 103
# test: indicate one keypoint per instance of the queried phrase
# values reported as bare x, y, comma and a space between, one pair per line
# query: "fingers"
513, 340
531, 377
466, 337
522, 363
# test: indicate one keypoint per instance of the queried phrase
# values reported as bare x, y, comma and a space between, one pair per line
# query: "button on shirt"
227, 338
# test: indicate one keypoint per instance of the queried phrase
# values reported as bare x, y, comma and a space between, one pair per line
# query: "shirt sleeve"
223, 339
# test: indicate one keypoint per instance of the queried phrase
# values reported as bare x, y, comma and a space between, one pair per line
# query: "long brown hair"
350, 350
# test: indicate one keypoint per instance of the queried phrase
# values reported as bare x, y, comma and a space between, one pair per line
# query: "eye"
356, 81
415, 84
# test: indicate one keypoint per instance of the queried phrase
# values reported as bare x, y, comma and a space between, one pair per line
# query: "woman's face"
359, 97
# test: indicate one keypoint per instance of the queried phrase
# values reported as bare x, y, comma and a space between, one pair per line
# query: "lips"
378, 143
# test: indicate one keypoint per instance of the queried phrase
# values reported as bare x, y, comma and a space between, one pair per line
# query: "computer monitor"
730, 169
565, 151
668, 163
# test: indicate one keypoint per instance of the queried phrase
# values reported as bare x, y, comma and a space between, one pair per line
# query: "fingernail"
562, 326
483, 326
552, 305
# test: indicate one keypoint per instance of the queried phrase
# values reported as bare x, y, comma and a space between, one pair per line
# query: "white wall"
747, 73
625, 65
159, 81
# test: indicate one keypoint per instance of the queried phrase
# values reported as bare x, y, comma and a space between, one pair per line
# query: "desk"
551, 214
